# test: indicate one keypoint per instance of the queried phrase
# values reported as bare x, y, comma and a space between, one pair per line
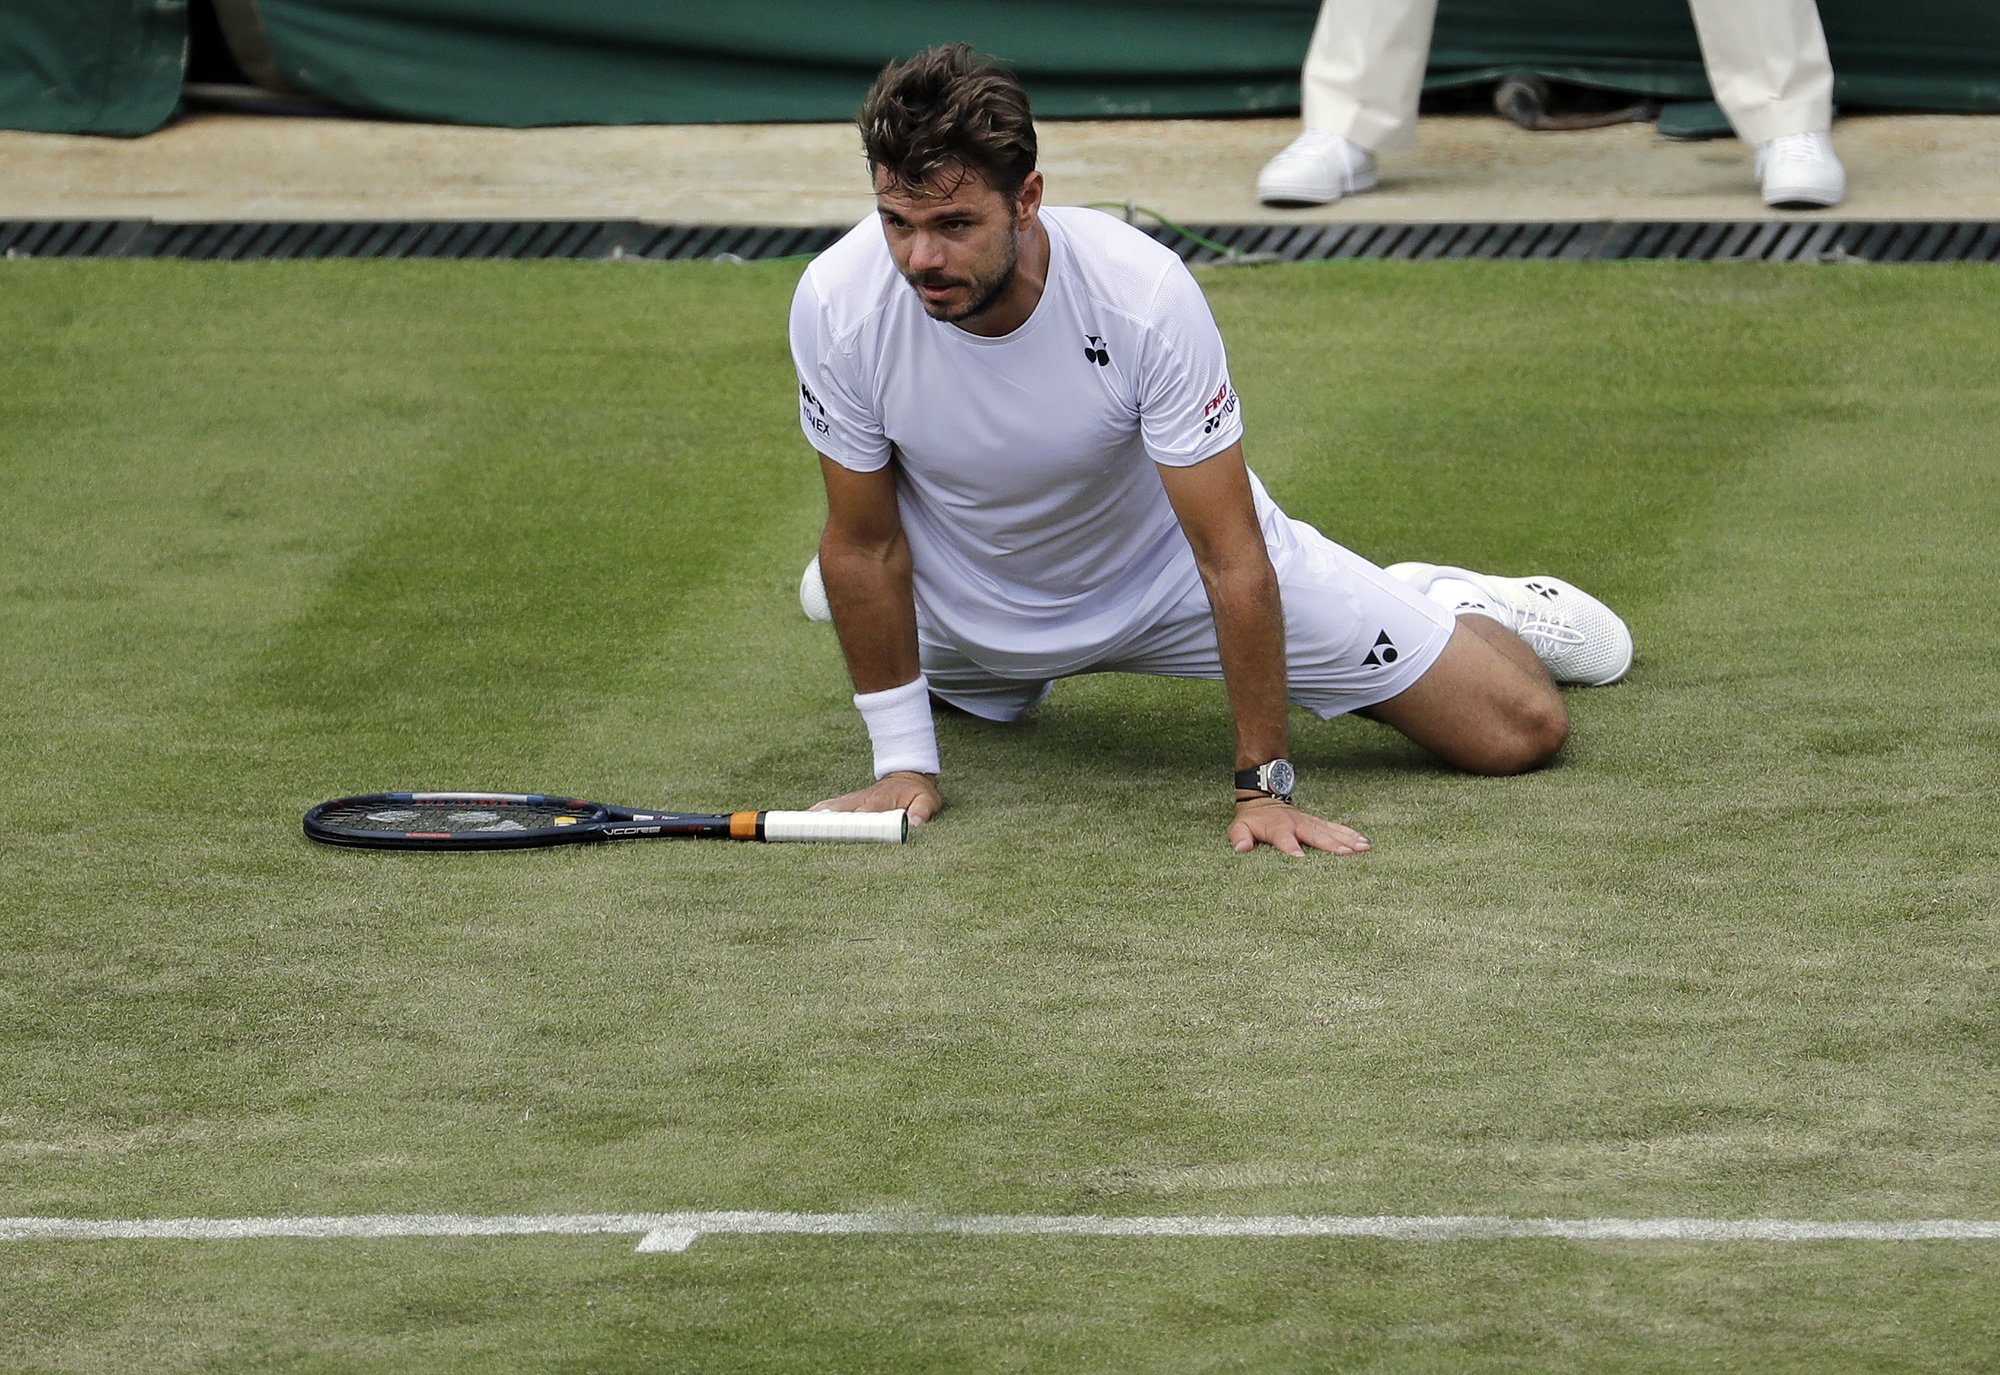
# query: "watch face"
1279, 777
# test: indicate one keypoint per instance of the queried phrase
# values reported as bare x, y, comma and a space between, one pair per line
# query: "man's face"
956, 241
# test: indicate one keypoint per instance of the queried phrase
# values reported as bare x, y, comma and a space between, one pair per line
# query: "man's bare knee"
1530, 739
1481, 709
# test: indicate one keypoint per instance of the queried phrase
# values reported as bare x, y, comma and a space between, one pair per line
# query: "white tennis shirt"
1040, 534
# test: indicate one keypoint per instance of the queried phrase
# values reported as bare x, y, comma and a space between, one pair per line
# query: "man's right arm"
864, 559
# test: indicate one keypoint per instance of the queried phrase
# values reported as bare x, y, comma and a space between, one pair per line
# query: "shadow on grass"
1162, 733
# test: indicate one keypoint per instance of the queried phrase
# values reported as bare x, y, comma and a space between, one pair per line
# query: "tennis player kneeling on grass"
1034, 468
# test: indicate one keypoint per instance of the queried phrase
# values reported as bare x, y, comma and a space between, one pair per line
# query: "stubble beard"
985, 292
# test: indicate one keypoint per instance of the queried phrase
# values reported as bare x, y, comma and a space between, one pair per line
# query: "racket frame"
601, 822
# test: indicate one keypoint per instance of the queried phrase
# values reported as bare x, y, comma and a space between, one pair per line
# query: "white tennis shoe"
812, 593
1801, 172
1315, 169
1578, 638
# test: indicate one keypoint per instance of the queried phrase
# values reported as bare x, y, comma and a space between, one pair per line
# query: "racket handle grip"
891, 828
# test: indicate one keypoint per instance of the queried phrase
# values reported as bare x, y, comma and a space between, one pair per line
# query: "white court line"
678, 1231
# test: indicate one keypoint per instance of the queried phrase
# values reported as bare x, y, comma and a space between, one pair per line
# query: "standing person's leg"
1364, 71
1768, 64
1363, 76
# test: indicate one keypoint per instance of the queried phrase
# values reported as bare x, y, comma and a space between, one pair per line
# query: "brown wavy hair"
930, 120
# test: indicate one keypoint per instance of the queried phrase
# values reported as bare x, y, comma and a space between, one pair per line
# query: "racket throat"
686, 826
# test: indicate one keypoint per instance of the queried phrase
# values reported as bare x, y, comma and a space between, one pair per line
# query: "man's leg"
965, 686
1577, 638
1486, 698
1360, 640
1486, 705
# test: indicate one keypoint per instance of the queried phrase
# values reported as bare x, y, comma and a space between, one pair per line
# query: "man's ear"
1028, 201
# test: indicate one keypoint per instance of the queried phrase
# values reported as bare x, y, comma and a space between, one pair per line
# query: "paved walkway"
226, 166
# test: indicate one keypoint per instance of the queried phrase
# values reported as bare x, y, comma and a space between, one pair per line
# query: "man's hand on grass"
1283, 827
915, 793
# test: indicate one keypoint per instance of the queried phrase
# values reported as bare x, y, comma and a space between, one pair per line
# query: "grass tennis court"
274, 533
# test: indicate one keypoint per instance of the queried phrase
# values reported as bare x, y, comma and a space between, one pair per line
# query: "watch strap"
1272, 779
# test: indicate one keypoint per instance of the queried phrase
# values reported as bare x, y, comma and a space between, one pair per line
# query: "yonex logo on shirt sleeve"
1219, 408
811, 411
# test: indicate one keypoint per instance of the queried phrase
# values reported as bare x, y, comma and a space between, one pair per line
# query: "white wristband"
900, 727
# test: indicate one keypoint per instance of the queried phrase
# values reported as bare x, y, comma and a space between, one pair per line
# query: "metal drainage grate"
680, 242
68, 238
452, 239
1919, 241
490, 239
1695, 241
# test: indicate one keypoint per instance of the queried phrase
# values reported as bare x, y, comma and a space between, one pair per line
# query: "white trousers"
1767, 63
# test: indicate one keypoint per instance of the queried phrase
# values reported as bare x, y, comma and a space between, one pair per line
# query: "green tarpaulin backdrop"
115, 66
91, 66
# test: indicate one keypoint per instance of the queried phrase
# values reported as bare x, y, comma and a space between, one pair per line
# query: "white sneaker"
1316, 169
812, 594
1578, 638
1800, 172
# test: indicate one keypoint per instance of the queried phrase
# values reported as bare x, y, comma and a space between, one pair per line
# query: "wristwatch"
1274, 779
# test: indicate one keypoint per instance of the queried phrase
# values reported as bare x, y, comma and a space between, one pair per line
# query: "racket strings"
460, 817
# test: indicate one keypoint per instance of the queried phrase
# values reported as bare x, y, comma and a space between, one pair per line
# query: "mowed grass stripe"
485, 467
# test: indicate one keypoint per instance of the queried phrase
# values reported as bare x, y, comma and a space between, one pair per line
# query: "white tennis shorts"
1354, 636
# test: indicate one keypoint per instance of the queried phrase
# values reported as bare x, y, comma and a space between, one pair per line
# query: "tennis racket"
516, 821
